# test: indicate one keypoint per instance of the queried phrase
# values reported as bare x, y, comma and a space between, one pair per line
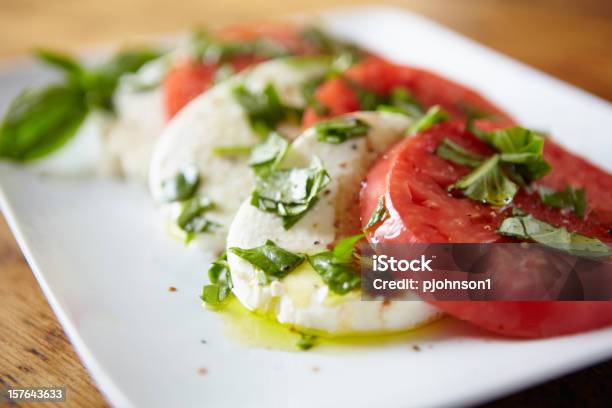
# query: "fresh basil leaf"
571, 197
41, 121
527, 227
63, 62
401, 101
472, 113
434, 115
274, 261
220, 287
337, 267
100, 83
521, 150
339, 130
368, 100
269, 153
192, 218
265, 110
488, 184
379, 214
328, 45
211, 49
306, 341
340, 278
183, 186
290, 193
451, 151
232, 150
343, 252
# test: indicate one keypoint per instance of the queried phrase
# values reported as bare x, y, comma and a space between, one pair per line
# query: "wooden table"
569, 40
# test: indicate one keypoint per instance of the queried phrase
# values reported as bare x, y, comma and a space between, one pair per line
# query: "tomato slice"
381, 77
188, 78
421, 210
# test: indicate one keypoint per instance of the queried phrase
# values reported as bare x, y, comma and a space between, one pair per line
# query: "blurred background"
569, 39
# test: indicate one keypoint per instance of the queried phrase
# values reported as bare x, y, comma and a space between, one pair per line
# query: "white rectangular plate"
105, 264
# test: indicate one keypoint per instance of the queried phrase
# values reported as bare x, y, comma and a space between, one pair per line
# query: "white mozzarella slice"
301, 298
216, 119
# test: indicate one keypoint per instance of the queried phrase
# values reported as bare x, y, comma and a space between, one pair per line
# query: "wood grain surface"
571, 40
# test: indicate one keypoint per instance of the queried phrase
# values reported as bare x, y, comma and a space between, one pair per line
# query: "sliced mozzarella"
140, 117
216, 119
85, 153
301, 298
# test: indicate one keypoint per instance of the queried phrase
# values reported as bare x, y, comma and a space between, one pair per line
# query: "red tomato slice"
188, 78
414, 181
381, 77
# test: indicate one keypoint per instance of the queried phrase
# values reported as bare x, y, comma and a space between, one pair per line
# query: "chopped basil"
488, 184
521, 149
264, 109
572, 198
220, 287
339, 130
378, 215
306, 341
525, 226
451, 151
40, 121
182, 186
211, 49
433, 116
269, 153
402, 102
328, 45
273, 261
192, 218
289, 193
368, 100
337, 267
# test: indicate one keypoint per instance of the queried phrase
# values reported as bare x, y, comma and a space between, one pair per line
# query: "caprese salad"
280, 148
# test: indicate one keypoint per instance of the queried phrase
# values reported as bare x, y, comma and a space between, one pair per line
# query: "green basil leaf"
379, 214
527, 227
41, 121
220, 287
571, 197
273, 261
340, 278
183, 186
63, 62
337, 267
289, 193
269, 153
232, 150
328, 45
192, 218
211, 49
401, 101
451, 151
343, 252
264, 109
307, 341
368, 100
433, 116
339, 130
521, 149
488, 184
